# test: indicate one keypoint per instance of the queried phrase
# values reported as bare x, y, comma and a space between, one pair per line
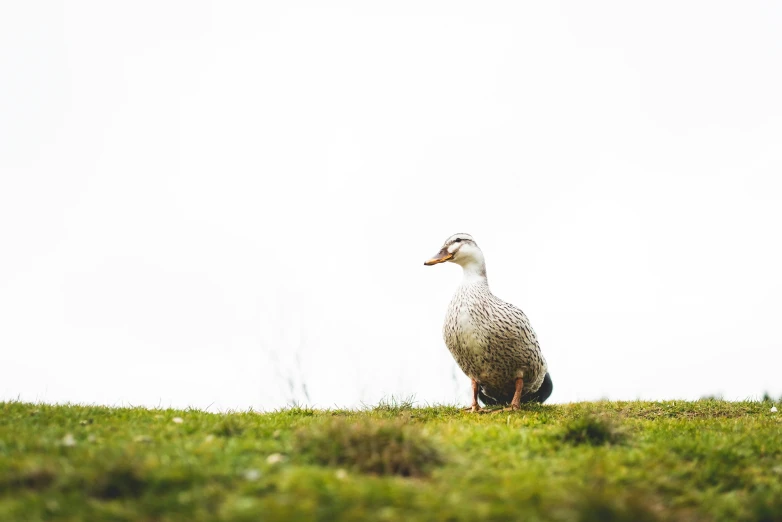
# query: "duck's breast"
467, 334
492, 341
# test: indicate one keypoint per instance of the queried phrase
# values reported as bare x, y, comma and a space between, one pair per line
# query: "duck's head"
460, 249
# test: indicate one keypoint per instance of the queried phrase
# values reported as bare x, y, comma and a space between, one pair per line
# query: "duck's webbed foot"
506, 408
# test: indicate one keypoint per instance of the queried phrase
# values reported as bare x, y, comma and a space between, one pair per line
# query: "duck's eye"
457, 240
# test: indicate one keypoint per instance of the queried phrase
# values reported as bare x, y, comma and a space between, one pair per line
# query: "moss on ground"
606, 461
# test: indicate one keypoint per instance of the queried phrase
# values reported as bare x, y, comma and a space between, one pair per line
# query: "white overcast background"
228, 205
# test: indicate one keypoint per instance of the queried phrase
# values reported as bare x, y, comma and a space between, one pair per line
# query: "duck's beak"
441, 257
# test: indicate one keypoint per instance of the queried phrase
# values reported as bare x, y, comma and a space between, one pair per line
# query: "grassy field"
603, 461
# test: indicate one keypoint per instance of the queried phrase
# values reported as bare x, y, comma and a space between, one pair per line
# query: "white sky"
201, 200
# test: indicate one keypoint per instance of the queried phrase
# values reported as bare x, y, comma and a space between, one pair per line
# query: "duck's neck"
475, 273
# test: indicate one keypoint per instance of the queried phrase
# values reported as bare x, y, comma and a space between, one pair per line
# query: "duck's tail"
539, 395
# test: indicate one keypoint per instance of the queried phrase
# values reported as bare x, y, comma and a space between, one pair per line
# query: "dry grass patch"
592, 429
381, 447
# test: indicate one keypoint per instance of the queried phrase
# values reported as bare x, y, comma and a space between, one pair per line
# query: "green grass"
603, 461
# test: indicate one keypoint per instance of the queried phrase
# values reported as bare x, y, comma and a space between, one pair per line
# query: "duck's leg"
475, 408
515, 403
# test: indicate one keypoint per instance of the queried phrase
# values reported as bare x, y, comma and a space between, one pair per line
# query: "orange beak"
441, 257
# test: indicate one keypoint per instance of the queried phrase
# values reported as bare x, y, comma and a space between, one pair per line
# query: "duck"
492, 341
